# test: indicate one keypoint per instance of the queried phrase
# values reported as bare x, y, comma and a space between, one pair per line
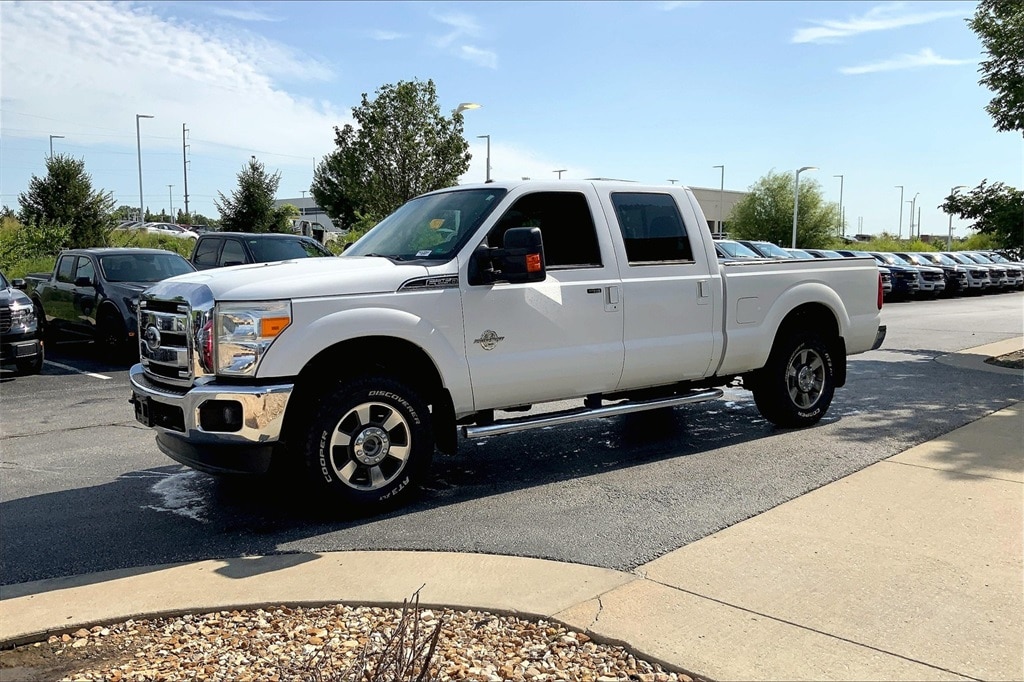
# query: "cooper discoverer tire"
795, 387
369, 443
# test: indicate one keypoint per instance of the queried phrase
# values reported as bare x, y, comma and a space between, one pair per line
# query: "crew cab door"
669, 294
527, 343
69, 300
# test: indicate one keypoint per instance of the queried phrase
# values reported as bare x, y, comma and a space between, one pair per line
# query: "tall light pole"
841, 225
913, 203
170, 203
949, 237
899, 226
488, 174
672, 181
796, 198
721, 197
138, 142
52, 138
560, 171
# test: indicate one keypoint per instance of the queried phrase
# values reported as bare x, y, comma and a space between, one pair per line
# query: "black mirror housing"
519, 260
83, 282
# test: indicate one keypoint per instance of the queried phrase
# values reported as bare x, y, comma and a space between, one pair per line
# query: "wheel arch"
390, 356
822, 319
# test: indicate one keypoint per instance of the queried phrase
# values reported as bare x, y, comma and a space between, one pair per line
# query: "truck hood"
299, 278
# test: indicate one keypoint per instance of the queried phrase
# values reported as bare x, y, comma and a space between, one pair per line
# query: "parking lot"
84, 488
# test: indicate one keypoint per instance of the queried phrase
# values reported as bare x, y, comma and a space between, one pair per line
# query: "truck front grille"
173, 318
5, 320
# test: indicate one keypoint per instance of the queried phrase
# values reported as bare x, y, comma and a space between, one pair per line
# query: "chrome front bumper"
176, 416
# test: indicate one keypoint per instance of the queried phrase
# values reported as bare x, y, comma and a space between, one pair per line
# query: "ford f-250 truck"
479, 300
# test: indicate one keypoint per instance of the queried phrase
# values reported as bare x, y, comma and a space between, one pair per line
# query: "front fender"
313, 331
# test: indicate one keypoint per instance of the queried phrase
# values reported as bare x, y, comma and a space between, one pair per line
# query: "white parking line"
75, 369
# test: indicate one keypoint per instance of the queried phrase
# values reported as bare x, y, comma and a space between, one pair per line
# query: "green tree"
1000, 26
250, 208
766, 213
65, 197
401, 146
996, 209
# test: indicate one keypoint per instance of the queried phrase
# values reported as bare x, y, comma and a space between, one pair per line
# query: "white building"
308, 210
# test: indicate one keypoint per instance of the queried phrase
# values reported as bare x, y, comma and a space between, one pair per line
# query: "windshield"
825, 253
268, 250
143, 267
998, 258
737, 250
939, 258
915, 258
431, 227
978, 258
772, 250
890, 259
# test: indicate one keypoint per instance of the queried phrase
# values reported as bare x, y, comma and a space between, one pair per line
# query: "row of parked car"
905, 274
166, 229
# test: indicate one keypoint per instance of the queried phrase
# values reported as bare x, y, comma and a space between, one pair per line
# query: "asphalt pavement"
907, 569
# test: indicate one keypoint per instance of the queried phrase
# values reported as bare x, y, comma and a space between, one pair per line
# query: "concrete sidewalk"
908, 569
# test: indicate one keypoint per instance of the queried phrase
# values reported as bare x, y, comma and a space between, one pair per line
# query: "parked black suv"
19, 328
220, 249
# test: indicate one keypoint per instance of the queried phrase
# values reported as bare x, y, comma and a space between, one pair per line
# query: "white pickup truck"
467, 306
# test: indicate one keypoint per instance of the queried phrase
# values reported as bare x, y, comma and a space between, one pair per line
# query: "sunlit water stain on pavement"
182, 494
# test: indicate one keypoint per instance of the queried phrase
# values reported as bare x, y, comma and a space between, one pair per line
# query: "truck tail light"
881, 292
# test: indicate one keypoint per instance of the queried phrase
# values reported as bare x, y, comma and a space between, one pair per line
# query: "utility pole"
184, 165
170, 203
899, 230
918, 222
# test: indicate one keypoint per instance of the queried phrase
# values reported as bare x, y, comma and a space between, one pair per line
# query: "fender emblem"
489, 339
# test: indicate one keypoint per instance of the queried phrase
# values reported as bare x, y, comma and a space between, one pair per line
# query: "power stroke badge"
489, 339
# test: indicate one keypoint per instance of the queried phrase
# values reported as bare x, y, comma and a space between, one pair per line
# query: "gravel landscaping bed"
328, 643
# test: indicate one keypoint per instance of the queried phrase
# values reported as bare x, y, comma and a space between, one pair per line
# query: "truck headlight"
244, 331
23, 319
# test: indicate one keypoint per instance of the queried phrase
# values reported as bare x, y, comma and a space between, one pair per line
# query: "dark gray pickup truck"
92, 294
19, 328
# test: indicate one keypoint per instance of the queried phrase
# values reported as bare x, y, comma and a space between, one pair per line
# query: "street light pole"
842, 227
949, 237
721, 197
899, 226
488, 173
52, 138
913, 203
796, 198
560, 171
138, 143
170, 203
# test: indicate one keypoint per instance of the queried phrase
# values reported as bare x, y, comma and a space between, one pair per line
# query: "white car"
168, 230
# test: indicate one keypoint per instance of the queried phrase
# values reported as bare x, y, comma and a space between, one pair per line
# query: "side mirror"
519, 260
18, 284
83, 281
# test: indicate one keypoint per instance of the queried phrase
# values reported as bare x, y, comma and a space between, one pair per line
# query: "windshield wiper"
388, 256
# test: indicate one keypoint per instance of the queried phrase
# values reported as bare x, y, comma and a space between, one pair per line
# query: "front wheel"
370, 443
111, 338
32, 365
795, 387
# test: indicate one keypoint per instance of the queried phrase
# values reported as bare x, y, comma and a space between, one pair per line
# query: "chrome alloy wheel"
370, 446
805, 377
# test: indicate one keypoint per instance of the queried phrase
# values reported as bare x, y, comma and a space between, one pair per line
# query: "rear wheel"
370, 443
796, 385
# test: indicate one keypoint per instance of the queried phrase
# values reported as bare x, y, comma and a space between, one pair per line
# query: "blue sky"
884, 94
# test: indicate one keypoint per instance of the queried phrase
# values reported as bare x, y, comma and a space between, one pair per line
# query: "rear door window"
206, 252
652, 228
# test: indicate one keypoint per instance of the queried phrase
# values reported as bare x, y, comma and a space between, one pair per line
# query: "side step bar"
582, 413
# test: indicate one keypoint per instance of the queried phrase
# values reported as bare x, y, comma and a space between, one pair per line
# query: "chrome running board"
583, 413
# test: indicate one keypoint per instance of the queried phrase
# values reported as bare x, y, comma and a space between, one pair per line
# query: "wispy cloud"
456, 41
881, 18
115, 60
925, 57
386, 35
670, 5
479, 57
244, 11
